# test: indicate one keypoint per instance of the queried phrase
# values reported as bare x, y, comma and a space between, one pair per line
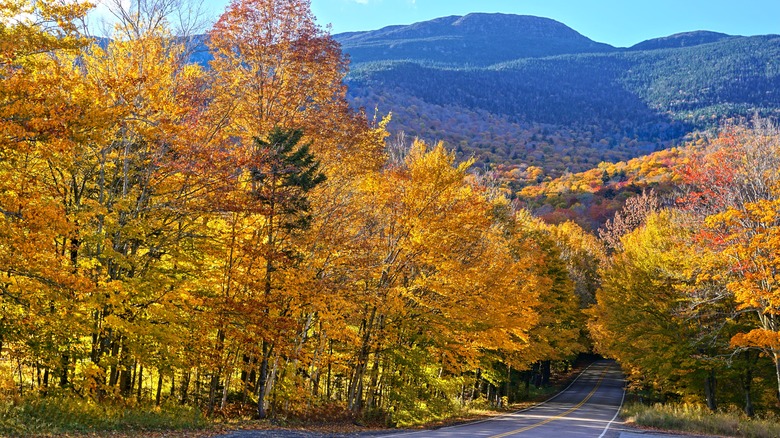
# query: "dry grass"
698, 419
60, 416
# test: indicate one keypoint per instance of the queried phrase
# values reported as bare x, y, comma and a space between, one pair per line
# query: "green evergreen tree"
282, 175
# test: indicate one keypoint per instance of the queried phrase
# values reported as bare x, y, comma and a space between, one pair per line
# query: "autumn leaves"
689, 297
235, 234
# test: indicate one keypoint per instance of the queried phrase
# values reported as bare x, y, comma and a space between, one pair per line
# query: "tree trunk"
709, 390
21, 377
213, 392
545, 370
776, 357
159, 387
475, 390
527, 380
263, 383
45, 380
247, 376
270, 393
355, 394
316, 364
114, 375
372, 387
216, 374
134, 375
125, 382
748, 380
197, 386
125, 376
185, 385
65, 363
330, 371
509, 384
225, 390
140, 383
537, 374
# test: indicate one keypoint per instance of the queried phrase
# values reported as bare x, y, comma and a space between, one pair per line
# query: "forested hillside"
593, 197
568, 110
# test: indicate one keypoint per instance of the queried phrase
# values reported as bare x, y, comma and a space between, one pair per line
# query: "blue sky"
618, 22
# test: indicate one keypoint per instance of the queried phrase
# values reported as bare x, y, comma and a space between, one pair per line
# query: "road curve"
587, 408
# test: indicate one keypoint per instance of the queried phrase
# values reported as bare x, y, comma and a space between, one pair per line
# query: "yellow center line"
542, 423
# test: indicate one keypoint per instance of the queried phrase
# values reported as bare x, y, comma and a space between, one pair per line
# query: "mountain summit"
528, 91
685, 39
477, 39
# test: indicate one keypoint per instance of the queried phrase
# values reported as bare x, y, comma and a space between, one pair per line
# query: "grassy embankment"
70, 415
58, 416
698, 419
74, 416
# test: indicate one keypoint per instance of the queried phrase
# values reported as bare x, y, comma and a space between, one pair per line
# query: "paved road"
586, 409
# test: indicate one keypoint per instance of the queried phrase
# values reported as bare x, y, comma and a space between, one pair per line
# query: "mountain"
685, 39
474, 39
527, 91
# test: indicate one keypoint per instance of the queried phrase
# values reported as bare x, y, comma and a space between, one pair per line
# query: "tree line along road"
588, 408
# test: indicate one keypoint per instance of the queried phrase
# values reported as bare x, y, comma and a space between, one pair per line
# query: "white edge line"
616, 413
505, 415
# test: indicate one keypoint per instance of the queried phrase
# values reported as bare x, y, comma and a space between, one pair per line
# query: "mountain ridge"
682, 39
555, 106
469, 39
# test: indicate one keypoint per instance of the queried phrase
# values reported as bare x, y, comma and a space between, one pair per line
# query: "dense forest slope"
529, 91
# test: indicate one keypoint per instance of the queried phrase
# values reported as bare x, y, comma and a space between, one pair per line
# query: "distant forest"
570, 112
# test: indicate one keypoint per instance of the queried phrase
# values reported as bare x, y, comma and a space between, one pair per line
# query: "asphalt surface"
586, 409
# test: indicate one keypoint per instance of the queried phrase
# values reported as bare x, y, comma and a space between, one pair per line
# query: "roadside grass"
66, 415
698, 419
61, 415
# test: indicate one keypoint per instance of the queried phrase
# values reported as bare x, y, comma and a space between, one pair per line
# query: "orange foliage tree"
733, 192
241, 234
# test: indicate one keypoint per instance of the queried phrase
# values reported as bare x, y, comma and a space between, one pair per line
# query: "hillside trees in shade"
241, 238
567, 113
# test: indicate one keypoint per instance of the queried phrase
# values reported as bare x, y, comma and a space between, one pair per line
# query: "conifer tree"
282, 175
